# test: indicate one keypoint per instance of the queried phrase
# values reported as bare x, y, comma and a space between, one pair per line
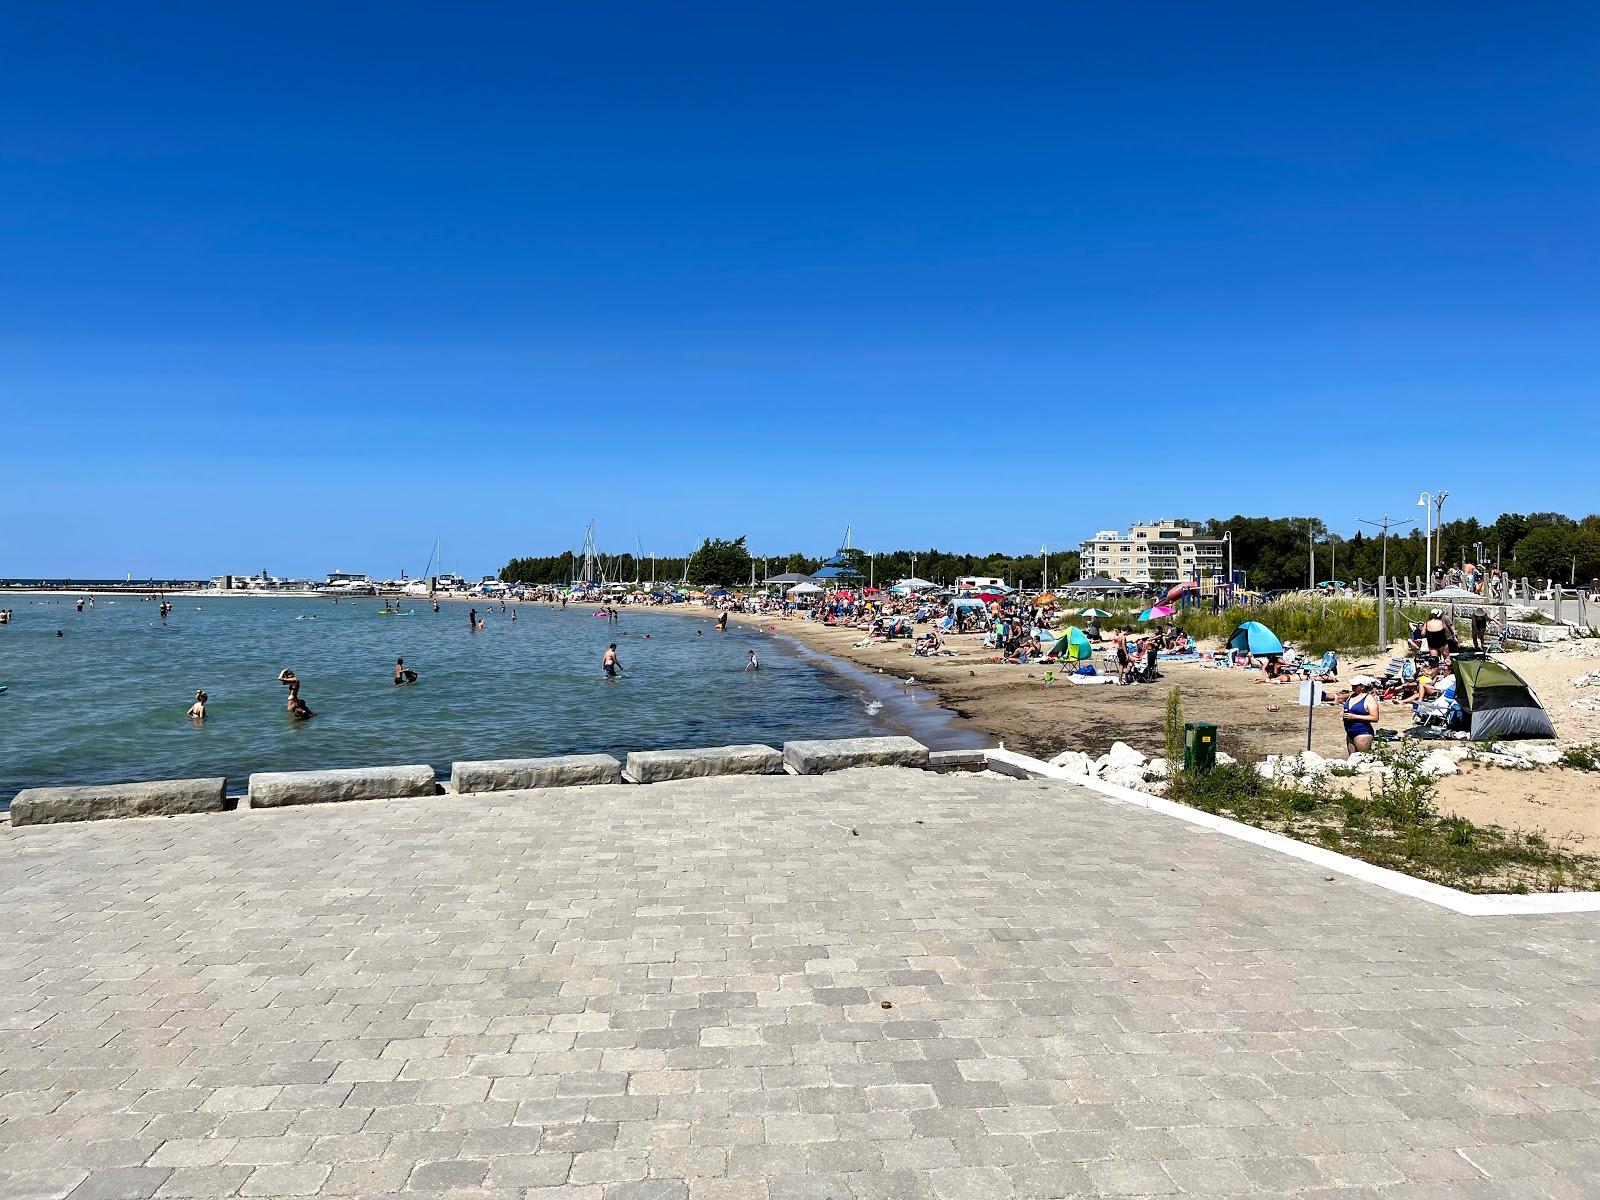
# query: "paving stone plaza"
874, 984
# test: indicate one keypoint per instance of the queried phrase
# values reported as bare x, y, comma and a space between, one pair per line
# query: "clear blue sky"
304, 286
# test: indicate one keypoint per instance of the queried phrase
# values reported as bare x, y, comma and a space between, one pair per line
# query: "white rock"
1127, 776
1309, 763
1225, 760
1124, 755
1157, 768
1543, 756
1267, 767
1437, 763
1074, 762
1513, 761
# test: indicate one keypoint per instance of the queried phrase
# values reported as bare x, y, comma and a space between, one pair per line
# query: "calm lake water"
106, 702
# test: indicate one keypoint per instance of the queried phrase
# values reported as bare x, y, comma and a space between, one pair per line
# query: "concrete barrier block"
274, 789
840, 754
514, 774
159, 798
946, 761
657, 766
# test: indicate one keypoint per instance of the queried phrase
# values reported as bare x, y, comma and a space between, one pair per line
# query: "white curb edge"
1465, 903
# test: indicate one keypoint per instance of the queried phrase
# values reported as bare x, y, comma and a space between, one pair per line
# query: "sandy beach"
1015, 705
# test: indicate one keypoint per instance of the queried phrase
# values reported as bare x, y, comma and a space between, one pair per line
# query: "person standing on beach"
610, 663
1480, 629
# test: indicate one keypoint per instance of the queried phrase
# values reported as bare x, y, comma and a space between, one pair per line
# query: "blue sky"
305, 286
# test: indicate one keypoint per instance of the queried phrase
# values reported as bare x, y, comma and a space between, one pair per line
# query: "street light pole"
1311, 550
1425, 502
1044, 583
1438, 525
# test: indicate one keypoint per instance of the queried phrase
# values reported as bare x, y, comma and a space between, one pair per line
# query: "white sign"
1310, 694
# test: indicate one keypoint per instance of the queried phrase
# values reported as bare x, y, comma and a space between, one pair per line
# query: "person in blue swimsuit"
1361, 714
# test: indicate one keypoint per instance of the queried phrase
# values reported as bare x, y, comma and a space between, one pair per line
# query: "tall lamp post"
1425, 502
1044, 583
1438, 524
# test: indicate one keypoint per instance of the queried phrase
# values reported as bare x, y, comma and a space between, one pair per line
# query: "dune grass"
1314, 624
1390, 822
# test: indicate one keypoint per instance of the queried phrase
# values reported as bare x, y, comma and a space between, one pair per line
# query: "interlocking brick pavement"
884, 984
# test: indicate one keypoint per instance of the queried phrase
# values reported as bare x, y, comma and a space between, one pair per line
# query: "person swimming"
297, 708
403, 673
197, 710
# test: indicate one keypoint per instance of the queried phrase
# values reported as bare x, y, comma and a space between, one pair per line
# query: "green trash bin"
1199, 746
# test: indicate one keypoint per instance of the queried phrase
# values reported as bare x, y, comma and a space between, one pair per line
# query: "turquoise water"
106, 702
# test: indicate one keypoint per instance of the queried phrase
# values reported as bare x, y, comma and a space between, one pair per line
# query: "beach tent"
1498, 704
968, 602
1255, 638
805, 589
1044, 598
1073, 646
915, 585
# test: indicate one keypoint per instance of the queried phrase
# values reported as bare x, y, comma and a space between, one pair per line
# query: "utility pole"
1383, 578
1044, 582
1425, 503
1438, 524
1311, 549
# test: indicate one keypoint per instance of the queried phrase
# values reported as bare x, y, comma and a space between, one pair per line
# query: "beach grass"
1390, 822
1314, 624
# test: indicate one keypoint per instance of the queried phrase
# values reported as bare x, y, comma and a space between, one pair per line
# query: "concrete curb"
276, 789
519, 774
1466, 903
117, 801
658, 766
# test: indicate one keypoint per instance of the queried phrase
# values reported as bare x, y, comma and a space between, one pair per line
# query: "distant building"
1163, 552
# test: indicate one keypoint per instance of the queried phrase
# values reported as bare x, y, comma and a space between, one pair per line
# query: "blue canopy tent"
1255, 638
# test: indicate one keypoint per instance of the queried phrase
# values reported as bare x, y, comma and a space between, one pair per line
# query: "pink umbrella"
1156, 612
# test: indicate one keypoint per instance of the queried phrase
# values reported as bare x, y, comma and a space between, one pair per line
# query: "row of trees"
726, 563
1276, 552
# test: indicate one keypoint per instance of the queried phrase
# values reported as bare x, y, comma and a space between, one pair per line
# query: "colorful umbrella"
1157, 611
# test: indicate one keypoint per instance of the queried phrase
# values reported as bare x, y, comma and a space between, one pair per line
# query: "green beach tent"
1072, 646
1498, 704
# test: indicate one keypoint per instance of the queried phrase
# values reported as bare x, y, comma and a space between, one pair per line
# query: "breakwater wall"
276, 789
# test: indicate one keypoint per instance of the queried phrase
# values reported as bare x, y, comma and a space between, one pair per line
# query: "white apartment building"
1162, 552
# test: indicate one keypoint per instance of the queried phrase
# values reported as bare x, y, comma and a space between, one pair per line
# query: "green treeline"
1274, 551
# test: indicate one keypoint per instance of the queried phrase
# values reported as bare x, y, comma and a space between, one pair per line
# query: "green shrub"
1579, 758
1173, 729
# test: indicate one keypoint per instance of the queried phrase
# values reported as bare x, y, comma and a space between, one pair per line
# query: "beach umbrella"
1157, 611
1044, 598
1092, 612
804, 589
1255, 638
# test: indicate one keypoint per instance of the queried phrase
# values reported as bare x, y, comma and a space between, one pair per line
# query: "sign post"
1310, 696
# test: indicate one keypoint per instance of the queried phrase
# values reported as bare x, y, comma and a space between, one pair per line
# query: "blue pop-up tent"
1255, 638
